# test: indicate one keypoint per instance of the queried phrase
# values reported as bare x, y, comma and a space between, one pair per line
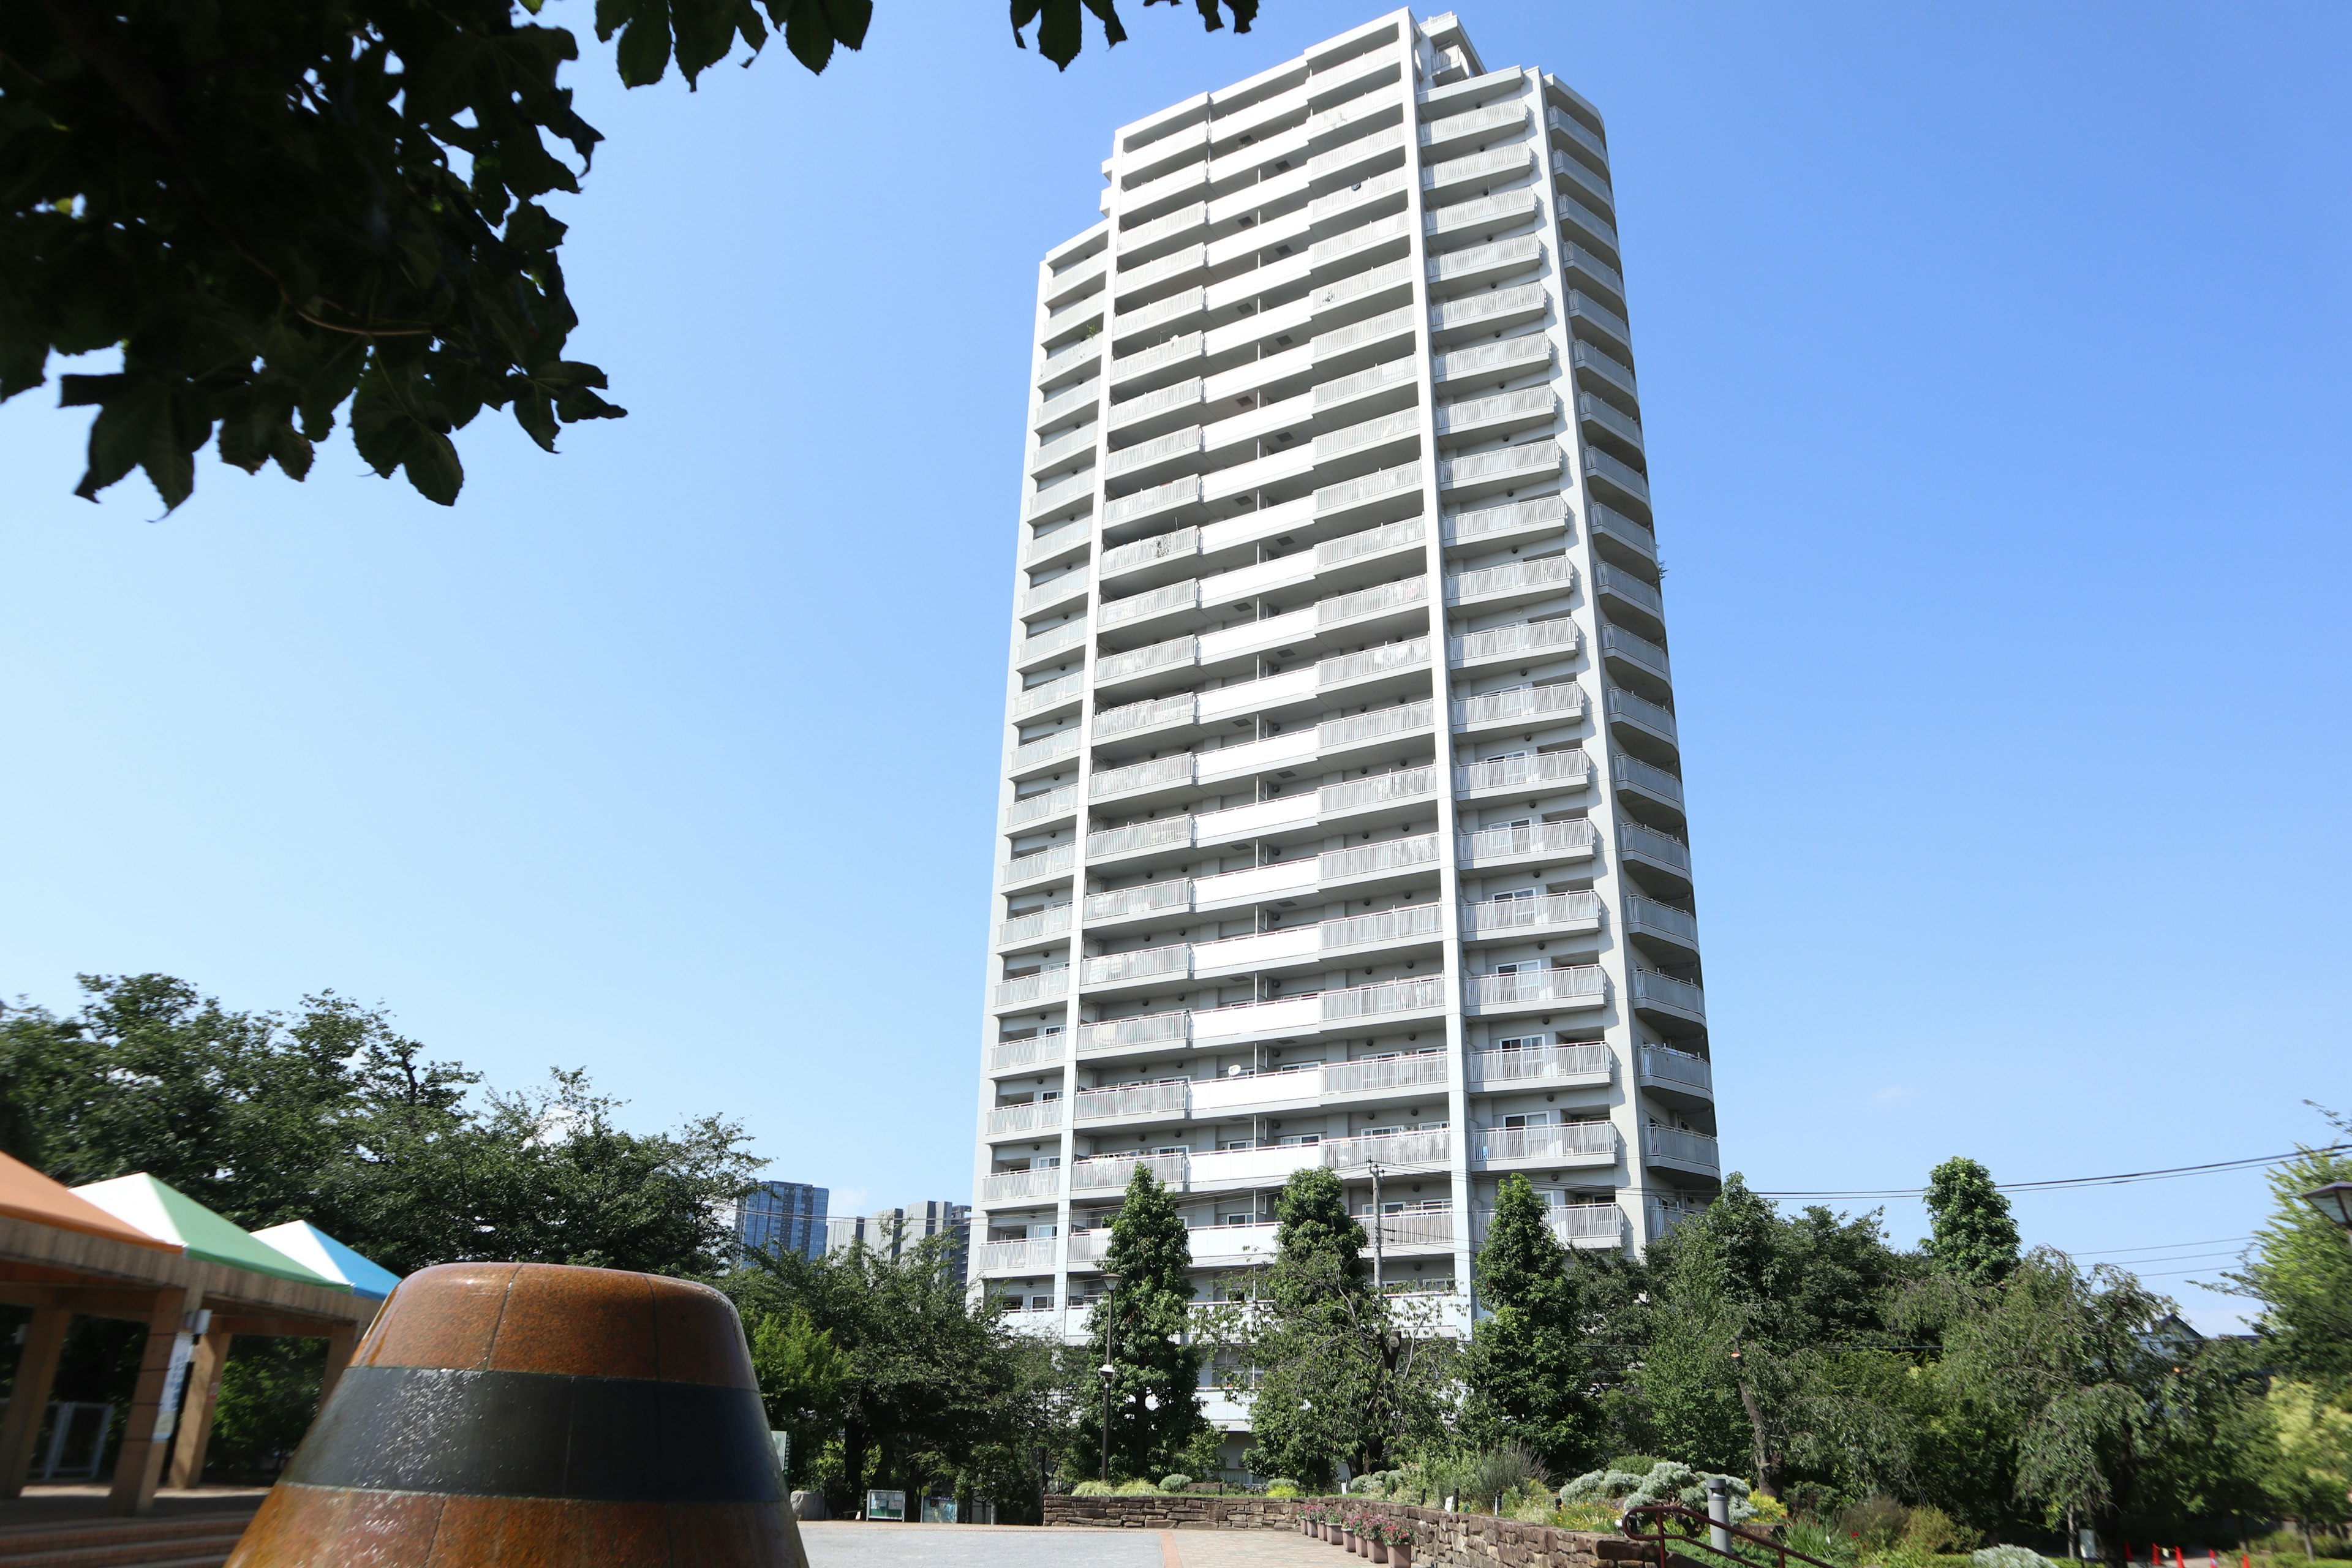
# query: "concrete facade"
1341, 819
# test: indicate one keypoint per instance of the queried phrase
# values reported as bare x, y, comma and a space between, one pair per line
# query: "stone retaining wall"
1439, 1540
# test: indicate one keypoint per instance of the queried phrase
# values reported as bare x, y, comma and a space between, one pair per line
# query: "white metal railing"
1617, 525
1665, 1216
1149, 713
1503, 462
1371, 601
1594, 185
1404, 784
1357, 728
1081, 439
1542, 571
1473, 412
1416, 1148
1182, 595
1184, 443
1369, 487
1542, 910
1411, 1228
1173, 894
1622, 426
1147, 1029
1044, 749
1585, 306
1560, 121
1509, 207
1665, 990
1371, 540
1387, 854
1143, 551
1360, 150
1494, 161
1557, 635
1339, 247
1030, 1255
1371, 660
1511, 355
1652, 845
1624, 704
1568, 983
1557, 770
1087, 1247
1176, 651
1363, 382
1051, 920
1114, 1171
1158, 498
1502, 253
1574, 837
1170, 1096
1638, 650
1683, 1148
1046, 644
1140, 964
1559, 1140
1573, 255
1372, 328
1522, 1063
1042, 863
1462, 526
1387, 925
1389, 274
1664, 918
1059, 801
1162, 832
1555, 699
1029, 1116
1388, 996
1648, 776
1011, 1187
1068, 354
1036, 1049
1153, 774
1177, 222
1175, 395
1617, 373
1484, 307
1407, 1070
1573, 1222
1478, 121
1038, 697
1055, 405
1371, 433
1687, 1068
1060, 491
1599, 464
1044, 985
1366, 190
1150, 273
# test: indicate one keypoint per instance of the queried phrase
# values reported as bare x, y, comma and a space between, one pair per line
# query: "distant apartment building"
1341, 819
893, 1232
777, 1217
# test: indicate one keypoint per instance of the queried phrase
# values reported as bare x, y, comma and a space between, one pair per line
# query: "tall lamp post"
2335, 1201
1109, 1372
1378, 1226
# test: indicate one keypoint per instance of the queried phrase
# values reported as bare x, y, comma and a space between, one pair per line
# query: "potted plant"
1400, 1543
1376, 1531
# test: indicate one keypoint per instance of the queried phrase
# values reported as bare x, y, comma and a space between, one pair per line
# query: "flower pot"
1379, 1551
1401, 1555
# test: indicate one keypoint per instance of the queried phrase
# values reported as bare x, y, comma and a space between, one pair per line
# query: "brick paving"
850, 1544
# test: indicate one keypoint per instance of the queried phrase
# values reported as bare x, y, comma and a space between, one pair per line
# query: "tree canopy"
1529, 1375
278, 208
1142, 1330
1974, 1236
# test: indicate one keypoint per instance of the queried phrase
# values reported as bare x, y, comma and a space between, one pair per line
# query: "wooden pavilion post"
37, 1373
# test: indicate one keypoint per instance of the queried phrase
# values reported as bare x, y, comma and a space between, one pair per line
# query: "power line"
2062, 1184
2165, 1246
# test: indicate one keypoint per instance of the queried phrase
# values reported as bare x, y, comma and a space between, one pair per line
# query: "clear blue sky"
1994, 363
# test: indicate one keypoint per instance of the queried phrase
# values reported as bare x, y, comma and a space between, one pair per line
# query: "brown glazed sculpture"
526, 1416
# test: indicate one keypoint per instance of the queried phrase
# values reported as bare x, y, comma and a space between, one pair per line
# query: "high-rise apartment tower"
1341, 821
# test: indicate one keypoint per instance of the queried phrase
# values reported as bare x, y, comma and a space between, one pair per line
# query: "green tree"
1973, 1234
2307, 1470
2301, 1271
1141, 1328
1529, 1372
803, 1379
274, 208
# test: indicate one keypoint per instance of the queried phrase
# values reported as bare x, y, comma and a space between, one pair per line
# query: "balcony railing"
1673, 1145
1648, 778
1622, 426
1109, 1173
1370, 541
1387, 855
1152, 713
1503, 254
1371, 661
1357, 728
1404, 784
1148, 502
1172, 546
1159, 774
1034, 1116
1006, 1055
1045, 749
1511, 356
1363, 382
1543, 572
1560, 1141
1609, 523
1390, 996
1555, 637
1574, 837
1504, 463
1620, 584
1543, 511
1031, 1255
1529, 1064
1168, 1096
1370, 487
1574, 1222
1371, 1074
1388, 925
1511, 206
1175, 596
1651, 716
1569, 984
1047, 694
1044, 985
1052, 920
1061, 492
1174, 653
1653, 989
1411, 1228
1146, 1029
1388, 428
1053, 641
1489, 164
1018, 1186
1550, 701
1141, 963
1059, 801
1648, 914
1658, 848
1045, 862
1490, 915
1166, 833
1639, 652
1560, 123
1371, 329
1479, 308
1173, 894
1569, 769
1472, 412
1371, 601
1387, 1148
1686, 1068
1477, 123
1599, 465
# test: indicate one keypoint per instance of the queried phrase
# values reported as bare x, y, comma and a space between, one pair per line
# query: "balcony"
1377, 338
1678, 1000
1063, 448
1520, 642
1174, 895
1111, 1172
1561, 1143
1498, 165
1583, 183
1037, 926
1537, 914
1370, 604
1031, 1116
1047, 696
1385, 1074
1504, 524
1615, 482
1139, 838
1605, 417
1581, 222
1481, 263
1642, 715
1141, 964
1390, 1151
1046, 751
1043, 806
1567, 128
1133, 1101
1658, 851
1173, 599
1066, 364
1511, 357
1564, 988
1491, 847
1584, 268
1041, 866
1150, 410
1504, 413
1592, 1225
1639, 652
1554, 702
1308, 1012
1490, 311
1411, 1230
1053, 593
1051, 644
1592, 365
1157, 500
1063, 496
1181, 545
1680, 1076
1177, 653
1029, 990
1517, 582
1345, 389
1038, 1050
1583, 1066
1641, 778
1477, 473
1031, 1255
1545, 771
1486, 215
1008, 1187
1440, 136
1162, 774
1626, 589
1673, 1149
1305, 946
1619, 529
1648, 917
1590, 316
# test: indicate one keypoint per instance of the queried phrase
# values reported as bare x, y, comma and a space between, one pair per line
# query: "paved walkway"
849, 1544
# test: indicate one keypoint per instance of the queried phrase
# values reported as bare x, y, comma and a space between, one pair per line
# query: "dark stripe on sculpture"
539, 1434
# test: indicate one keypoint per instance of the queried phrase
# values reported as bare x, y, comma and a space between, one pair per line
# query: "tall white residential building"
1342, 810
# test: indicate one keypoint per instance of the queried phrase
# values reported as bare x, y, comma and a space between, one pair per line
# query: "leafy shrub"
1176, 1482
1498, 1473
1815, 1539
1282, 1486
1878, 1523
1136, 1489
1597, 1514
1665, 1482
2008, 1557
1932, 1532
1093, 1488
1766, 1512
1638, 1464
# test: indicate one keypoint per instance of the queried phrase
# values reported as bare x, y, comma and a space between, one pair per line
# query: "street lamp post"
2335, 1201
1109, 1372
1377, 1227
